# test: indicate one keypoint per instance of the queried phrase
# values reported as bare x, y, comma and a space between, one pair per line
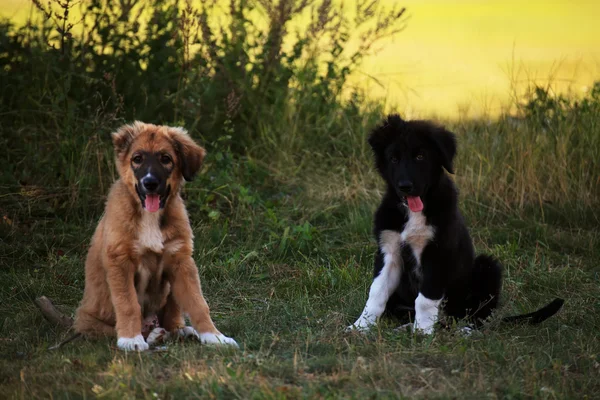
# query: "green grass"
282, 211
285, 268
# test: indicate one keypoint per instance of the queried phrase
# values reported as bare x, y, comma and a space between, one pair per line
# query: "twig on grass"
51, 313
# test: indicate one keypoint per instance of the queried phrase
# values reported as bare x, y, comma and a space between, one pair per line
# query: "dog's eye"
165, 159
394, 160
137, 159
420, 157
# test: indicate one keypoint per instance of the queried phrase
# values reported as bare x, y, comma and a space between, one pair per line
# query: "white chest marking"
417, 233
149, 234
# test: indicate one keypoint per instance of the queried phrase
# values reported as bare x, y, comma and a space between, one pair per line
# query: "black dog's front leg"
431, 293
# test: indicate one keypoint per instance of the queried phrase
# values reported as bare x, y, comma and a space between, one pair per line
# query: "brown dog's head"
153, 159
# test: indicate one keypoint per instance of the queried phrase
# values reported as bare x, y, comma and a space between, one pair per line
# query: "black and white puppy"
425, 253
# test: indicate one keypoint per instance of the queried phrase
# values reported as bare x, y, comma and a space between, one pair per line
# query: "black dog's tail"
537, 316
486, 288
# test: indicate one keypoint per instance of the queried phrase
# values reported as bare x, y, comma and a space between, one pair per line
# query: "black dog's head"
410, 156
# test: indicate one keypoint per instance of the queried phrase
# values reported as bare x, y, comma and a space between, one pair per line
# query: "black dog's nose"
405, 186
150, 183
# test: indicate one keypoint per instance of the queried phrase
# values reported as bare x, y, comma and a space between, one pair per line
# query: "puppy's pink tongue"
152, 202
414, 203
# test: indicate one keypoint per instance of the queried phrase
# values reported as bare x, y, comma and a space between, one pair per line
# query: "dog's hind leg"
171, 316
486, 286
89, 325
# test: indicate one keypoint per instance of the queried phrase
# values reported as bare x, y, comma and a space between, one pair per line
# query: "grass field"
285, 269
282, 215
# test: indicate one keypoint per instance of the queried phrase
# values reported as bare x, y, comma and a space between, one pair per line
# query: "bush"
271, 98
68, 80
546, 155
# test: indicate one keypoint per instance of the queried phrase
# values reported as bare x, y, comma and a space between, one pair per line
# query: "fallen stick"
52, 314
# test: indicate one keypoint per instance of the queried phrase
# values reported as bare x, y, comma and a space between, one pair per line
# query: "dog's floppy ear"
445, 142
124, 136
382, 134
189, 154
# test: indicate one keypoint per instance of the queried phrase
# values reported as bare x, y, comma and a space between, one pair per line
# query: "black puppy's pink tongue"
152, 202
414, 203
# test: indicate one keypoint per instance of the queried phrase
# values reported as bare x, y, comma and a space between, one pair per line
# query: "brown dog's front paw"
208, 337
217, 339
136, 343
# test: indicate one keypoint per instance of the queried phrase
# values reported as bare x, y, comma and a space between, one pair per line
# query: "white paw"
187, 332
157, 335
132, 344
424, 328
207, 338
426, 314
218, 339
361, 325
404, 328
466, 331
357, 328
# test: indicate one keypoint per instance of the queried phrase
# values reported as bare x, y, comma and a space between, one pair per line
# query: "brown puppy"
140, 261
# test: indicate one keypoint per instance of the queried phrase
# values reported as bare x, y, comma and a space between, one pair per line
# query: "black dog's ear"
189, 154
445, 142
382, 134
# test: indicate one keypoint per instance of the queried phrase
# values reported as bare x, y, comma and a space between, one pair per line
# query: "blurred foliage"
67, 81
266, 98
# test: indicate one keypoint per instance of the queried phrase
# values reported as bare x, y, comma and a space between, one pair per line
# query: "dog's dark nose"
405, 187
150, 183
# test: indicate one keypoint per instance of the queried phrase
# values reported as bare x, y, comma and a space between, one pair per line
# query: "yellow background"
467, 57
